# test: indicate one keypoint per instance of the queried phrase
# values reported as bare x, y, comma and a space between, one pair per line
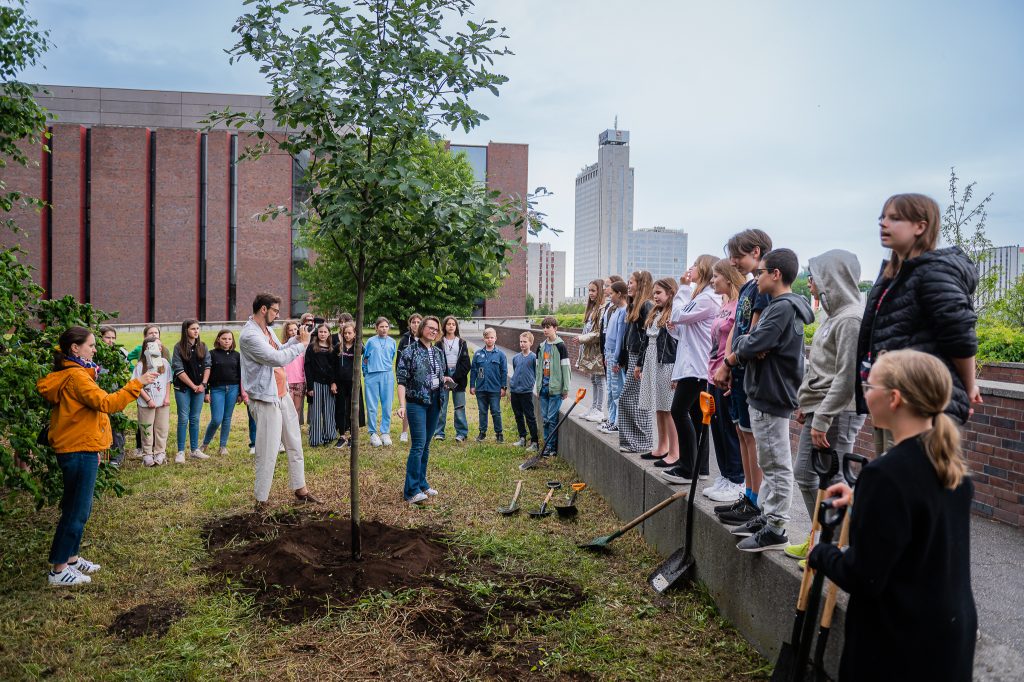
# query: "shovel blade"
597, 544
783, 671
567, 512
677, 566
508, 511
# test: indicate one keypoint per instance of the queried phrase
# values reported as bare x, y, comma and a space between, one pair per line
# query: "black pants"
343, 408
522, 407
686, 415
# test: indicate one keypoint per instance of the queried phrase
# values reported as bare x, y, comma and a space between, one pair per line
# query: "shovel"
568, 510
601, 542
513, 506
536, 459
681, 562
826, 465
826, 613
544, 511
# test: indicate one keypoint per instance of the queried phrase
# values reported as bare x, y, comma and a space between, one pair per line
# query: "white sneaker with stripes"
83, 565
67, 577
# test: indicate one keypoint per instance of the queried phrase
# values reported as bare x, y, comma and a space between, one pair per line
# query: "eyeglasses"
276, 310
431, 328
760, 271
865, 386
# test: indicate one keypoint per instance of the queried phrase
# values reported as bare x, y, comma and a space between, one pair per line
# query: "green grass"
150, 546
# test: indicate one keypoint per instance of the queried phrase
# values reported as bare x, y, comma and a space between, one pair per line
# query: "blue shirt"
489, 373
749, 301
524, 372
379, 355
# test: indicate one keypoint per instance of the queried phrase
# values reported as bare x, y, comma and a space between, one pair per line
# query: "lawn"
154, 551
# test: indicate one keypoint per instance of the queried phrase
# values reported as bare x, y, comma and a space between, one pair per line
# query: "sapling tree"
365, 87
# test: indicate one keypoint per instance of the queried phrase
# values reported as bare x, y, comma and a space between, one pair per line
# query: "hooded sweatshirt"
771, 384
828, 386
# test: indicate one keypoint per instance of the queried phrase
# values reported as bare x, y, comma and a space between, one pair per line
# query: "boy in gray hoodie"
774, 354
828, 409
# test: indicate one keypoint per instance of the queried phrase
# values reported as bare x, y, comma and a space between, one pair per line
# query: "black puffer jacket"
930, 308
633, 334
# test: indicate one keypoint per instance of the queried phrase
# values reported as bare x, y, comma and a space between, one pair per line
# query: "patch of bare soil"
146, 619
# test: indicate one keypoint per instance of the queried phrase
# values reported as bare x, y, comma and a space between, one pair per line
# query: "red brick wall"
176, 222
120, 181
68, 146
1010, 372
507, 172
29, 180
218, 181
264, 248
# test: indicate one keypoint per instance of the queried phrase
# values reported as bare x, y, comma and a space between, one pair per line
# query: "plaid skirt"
635, 425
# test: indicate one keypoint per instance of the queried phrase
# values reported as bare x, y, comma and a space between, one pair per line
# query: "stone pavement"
997, 558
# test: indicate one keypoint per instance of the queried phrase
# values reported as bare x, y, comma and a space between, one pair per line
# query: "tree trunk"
357, 374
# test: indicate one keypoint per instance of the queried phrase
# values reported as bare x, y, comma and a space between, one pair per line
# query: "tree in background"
963, 225
360, 88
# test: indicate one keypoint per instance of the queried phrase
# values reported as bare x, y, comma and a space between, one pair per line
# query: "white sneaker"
222, 452
729, 491
708, 489
252, 450
386, 440
375, 440
595, 416
85, 566
404, 438
180, 457
160, 458
148, 461
417, 499
280, 448
199, 454
68, 576
430, 492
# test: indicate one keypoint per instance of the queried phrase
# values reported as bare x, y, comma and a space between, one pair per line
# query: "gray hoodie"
828, 386
771, 384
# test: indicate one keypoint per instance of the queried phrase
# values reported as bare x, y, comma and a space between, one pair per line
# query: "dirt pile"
146, 619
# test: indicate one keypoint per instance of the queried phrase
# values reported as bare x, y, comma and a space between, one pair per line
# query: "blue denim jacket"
414, 372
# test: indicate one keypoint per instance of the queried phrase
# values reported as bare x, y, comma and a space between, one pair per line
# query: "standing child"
191, 368
295, 372
346, 358
726, 281
553, 379
774, 351
524, 377
225, 385
456, 366
488, 381
379, 370
154, 402
745, 249
657, 355
321, 375
634, 423
404, 340
591, 359
614, 327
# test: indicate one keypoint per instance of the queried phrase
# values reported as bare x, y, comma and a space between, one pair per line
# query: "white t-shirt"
157, 390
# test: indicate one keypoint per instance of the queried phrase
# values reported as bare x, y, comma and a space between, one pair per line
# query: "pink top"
720, 328
294, 371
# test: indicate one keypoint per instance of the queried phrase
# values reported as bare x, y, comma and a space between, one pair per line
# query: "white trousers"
277, 424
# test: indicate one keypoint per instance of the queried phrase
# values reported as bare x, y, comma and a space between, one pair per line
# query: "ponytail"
943, 446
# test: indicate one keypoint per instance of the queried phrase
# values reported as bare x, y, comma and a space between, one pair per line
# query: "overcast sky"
799, 117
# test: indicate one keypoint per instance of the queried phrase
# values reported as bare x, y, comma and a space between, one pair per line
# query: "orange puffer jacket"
79, 421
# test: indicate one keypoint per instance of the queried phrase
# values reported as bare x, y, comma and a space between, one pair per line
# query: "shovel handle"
652, 511
833, 591
805, 582
515, 495
580, 394
547, 498
707, 407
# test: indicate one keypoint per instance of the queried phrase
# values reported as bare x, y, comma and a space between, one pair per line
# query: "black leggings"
686, 415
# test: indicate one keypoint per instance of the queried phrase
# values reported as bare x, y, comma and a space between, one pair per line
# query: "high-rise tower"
604, 212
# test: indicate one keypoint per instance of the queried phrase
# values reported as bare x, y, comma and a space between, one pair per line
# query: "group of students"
734, 327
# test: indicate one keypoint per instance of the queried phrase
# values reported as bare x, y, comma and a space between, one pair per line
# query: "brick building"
153, 218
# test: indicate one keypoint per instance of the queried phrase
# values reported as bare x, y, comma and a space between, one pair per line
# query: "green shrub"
809, 330
999, 342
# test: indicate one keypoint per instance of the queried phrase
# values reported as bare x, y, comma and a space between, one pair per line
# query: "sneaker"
797, 551
417, 499
280, 448
437, 436
750, 527
67, 577
375, 440
802, 564
740, 516
180, 457
342, 442
533, 447
115, 464
765, 539
430, 492
85, 566
404, 438
460, 439
704, 477
586, 415
386, 440
674, 476
148, 461
199, 454
481, 437
717, 485
596, 417
737, 502
521, 443
628, 451
727, 492
498, 438
223, 452
611, 428
160, 458
252, 449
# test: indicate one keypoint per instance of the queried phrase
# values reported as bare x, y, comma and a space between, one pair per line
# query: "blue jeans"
614, 391
79, 470
380, 391
190, 407
458, 400
727, 441
222, 407
420, 418
489, 401
549, 406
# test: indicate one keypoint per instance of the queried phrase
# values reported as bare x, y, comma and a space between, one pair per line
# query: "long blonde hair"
660, 314
642, 293
704, 266
725, 268
917, 208
925, 384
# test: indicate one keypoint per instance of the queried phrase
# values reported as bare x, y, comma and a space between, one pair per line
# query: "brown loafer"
308, 498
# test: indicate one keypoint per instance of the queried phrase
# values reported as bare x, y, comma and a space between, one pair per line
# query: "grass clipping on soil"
298, 566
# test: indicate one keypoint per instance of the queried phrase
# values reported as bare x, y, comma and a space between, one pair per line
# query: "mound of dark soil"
146, 619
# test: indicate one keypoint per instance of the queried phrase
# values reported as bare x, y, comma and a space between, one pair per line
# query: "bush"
999, 342
565, 321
